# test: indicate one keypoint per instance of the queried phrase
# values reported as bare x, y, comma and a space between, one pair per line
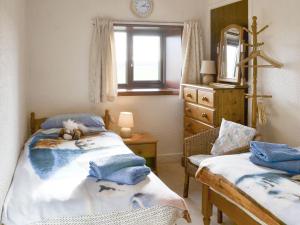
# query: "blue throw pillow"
86, 119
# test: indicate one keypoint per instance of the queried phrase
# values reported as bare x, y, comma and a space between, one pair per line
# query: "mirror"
230, 54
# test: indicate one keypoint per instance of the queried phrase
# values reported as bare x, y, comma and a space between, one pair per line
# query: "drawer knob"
204, 99
189, 95
204, 115
189, 125
188, 109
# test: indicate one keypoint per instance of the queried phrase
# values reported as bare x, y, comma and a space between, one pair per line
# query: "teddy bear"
71, 130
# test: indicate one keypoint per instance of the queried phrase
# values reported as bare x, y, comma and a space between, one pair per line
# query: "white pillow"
231, 136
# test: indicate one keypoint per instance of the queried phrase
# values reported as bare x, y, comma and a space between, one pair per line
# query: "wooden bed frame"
35, 123
236, 203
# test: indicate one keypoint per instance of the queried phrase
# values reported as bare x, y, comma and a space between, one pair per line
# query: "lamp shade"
208, 67
126, 120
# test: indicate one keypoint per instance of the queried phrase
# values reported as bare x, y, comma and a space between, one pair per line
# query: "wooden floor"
173, 175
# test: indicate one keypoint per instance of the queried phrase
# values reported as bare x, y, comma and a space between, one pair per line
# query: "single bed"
247, 193
51, 187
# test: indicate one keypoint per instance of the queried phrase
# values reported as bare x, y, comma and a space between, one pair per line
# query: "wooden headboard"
35, 123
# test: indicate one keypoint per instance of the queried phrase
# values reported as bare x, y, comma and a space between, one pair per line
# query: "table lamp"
126, 123
208, 69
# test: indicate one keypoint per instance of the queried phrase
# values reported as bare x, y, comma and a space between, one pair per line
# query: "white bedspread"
272, 189
68, 194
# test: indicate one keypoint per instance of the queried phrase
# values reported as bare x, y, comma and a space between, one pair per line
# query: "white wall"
283, 43
12, 98
59, 39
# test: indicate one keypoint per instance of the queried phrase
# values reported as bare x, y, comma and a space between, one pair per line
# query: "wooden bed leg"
186, 185
206, 205
220, 216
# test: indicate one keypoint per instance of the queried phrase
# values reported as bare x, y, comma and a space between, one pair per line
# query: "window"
141, 53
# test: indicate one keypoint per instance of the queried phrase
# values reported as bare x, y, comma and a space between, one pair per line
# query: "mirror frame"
220, 54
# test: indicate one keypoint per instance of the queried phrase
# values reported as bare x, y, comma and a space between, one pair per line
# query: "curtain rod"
148, 23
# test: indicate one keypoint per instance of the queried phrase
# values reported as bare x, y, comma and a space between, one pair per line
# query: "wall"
221, 17
209, 5
281, 42
12, 94
59, 39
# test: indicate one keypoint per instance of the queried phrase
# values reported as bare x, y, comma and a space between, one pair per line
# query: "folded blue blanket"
270, 152
292, 167
104, 167
130, 175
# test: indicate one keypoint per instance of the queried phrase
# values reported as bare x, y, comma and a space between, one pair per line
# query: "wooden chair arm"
240, 150
257, 137
200, 143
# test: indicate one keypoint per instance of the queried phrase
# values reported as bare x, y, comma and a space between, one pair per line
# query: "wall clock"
142, 8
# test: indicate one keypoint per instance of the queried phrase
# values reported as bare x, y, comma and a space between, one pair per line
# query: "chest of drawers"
205, 106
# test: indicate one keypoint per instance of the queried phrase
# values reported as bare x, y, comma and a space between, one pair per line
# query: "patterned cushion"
197, 159
232, 135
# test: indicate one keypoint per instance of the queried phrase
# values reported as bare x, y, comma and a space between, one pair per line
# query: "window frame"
131, 31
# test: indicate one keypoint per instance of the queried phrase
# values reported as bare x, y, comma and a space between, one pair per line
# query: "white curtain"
103, 85
192, 51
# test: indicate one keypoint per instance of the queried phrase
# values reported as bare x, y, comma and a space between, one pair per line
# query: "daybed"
247, 193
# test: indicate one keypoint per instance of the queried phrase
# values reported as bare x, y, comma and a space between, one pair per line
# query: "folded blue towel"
270, 152
104, 167
130, 175
292, 167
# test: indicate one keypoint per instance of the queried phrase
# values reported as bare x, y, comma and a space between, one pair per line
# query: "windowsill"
148, 91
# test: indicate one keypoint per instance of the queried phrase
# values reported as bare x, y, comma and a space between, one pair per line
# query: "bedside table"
144, 145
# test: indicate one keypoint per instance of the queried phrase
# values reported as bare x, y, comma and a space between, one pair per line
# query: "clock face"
142, 8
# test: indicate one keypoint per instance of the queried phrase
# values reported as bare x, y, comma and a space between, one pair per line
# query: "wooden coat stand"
253, 56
